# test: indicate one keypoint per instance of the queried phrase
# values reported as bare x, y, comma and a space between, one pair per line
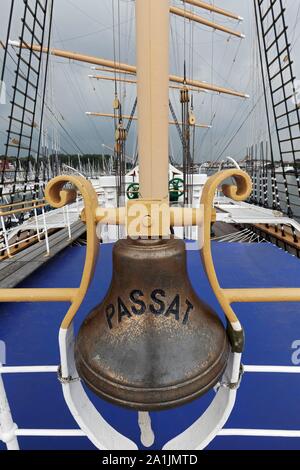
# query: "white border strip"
27, 369
259, 433
51, 369
50, 432
273, 369
222, 433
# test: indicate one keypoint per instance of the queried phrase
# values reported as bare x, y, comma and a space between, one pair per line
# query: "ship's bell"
152, 343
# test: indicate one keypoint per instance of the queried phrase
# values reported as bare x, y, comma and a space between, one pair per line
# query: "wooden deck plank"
20, 266
221, 229
26, 254
20, 270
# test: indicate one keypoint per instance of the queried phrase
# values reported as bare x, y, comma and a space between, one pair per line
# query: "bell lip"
165, 405
225, 352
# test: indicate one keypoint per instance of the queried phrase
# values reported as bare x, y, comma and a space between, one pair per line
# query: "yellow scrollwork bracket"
226, 297
240, 192
58, 196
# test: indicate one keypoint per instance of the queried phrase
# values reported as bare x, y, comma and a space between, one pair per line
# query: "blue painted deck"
268, 401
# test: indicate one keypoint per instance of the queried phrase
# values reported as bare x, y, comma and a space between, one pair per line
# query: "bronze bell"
152, 344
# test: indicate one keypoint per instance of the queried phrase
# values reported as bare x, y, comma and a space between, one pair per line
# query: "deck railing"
39, 223
10, 432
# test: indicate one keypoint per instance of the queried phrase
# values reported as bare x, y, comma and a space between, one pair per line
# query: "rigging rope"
275, 194
284, 78
33, 27
45, 84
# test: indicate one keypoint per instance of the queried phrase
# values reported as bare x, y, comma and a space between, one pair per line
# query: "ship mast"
152, 27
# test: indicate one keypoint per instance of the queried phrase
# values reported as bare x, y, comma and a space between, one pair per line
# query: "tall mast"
152, 27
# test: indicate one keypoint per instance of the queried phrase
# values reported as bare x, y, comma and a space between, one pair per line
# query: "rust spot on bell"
152, 343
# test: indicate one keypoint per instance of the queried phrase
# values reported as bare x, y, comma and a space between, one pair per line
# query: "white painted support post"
64, 216
147, 434
46, 232
205, 428
7, 426
37, 225
68, 222
88, 418
5, 235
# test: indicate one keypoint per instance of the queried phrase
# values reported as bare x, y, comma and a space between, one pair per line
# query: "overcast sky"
87, 26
